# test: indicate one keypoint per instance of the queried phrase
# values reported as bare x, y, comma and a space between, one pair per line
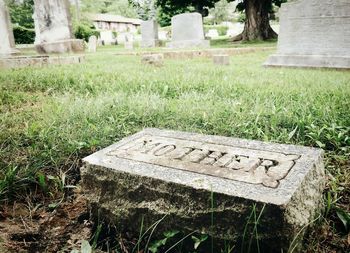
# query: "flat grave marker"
157, 172
221, 59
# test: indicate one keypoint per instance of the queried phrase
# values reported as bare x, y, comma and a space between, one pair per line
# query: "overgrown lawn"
52, 117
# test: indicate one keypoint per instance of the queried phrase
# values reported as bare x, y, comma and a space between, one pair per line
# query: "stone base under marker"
308, 61
188, 44
39, 61
63, 46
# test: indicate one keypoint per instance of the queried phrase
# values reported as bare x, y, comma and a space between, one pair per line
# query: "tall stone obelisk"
7, 41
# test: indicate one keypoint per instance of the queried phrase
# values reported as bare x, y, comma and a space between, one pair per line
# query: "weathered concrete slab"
157, 172
149, 33
60, 47
153, 59
190, 54
38, 61
187, 31
313, 34
7, 41
221, 59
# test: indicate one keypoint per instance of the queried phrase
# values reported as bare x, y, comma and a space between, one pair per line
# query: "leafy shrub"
84, 31
23, 35
242, 17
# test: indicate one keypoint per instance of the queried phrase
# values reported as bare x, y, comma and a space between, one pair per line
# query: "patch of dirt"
26, 229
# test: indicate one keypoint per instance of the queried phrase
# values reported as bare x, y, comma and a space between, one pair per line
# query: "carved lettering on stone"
246, 165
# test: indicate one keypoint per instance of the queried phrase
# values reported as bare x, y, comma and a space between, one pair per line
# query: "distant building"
115, 23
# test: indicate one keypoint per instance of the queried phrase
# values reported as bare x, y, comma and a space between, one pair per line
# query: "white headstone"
7, 41
162, 35
129, 45
187, 31
107, 37
149, 32
53, 27
212, 33
313, 34
92, 45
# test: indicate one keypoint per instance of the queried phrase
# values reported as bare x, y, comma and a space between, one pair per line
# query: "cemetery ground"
52, 117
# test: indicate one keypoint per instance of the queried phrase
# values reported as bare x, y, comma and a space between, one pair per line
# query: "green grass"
52, 117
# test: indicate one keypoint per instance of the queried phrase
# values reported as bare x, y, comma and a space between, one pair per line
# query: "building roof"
114, 18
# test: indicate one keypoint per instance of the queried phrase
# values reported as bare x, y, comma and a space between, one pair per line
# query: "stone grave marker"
107, 38
7, 41
313, 34
187, 31
163, 35
221, 59
212, 33
149, 33
153, 59
158, 172
129, 45
53, 28
92, 44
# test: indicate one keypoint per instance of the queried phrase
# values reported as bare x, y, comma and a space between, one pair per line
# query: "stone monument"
149, 33
7, 41
187, 31
221, 59
313, 33
92, 44
212, 34
157, 172
53, 27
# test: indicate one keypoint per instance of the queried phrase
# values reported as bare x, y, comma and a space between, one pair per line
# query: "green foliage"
83, 30
269, 4
165, 14
156, 245
23, 35
21, 16
198, 240
117, 7
146, 9
220, 12
242, 17
169, 8
344, 217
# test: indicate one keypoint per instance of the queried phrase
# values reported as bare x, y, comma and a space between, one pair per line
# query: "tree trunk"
257, 25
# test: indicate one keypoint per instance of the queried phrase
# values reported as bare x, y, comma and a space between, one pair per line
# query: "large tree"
257, 23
